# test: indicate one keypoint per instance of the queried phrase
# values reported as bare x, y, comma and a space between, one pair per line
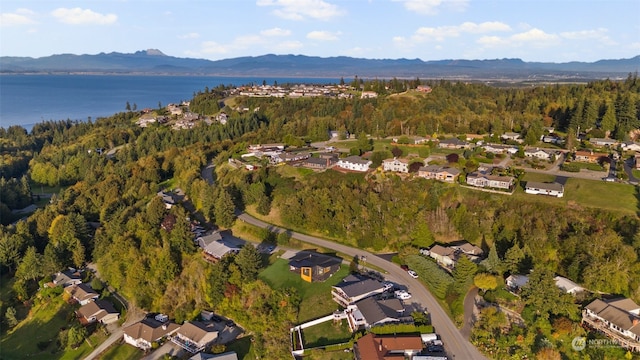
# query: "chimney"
380, 346
635, 321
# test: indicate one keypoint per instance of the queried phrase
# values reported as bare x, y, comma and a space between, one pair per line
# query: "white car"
387, 286
402, 295
413, 274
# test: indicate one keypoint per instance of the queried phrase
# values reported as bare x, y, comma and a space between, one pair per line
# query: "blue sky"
542, 30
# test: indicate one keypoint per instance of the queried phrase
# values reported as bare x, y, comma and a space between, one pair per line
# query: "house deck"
603, 328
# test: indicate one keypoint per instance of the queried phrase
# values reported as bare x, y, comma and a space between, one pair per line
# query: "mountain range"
154, 62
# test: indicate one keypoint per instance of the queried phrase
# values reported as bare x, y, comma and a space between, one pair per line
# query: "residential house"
603, 142
354, 288
323, 161
552, 139
540, 188
225, 356
482, 180
515, 282
471, 251
567, 285
222, 118
195, 336
145, 120
168, 199
355, 163
511, 136
538, 153
424, 89
82, 293
421, 140
500, 149
445, 256
313, 266
387, 347
216, 250
67, 277
476, 137
636, 159
144, 333
395, 164
617, 319
369, 95
590, 157
453, 143
370, 312
289, 157
630, 146
440, 173
100, 310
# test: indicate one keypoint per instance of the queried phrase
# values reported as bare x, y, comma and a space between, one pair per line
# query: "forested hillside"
160, 269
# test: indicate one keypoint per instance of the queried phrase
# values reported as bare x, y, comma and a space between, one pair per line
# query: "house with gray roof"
195, 336
67, 277
144, 333
82, 293
540, 188
618, 319
370, 312
313, 266
215, 248
453, 143
354, 288
354, 163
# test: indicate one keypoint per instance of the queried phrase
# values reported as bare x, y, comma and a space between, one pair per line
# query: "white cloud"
303, 9
599, 34
324, 35
532, 38
78, 16
192, 35
275, 32
19, 17
440, 33
431, 7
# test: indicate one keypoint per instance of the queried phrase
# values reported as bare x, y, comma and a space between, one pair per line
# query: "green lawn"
326, 333
531, 176
122, 352
41, 325
602, 194
243, 348
316, 297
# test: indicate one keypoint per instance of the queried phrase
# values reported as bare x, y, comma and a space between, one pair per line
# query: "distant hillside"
153, 61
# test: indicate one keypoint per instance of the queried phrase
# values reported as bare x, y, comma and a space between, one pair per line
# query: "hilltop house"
603, 142
321, 162
500, 149
590, 157
67, 277
215, 248
144, 333
395, 164
453, 143
511, 136
515, 282
482, 180
82, 293
313, 266
354, 288
440, 173
387, 347
538, 153
195, 336
567, 285
551, 189
370, 312
355, 163
445, 256
617, 319
99, 310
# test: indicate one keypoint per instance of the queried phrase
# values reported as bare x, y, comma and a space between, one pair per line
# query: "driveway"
455, 343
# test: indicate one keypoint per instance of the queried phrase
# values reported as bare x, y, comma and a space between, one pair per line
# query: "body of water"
29, 99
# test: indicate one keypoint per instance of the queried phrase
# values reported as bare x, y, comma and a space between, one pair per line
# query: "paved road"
455, 343
469, 313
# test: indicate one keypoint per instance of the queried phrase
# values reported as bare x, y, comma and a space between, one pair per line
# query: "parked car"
402, 294
424, 252
404, 267
413, 274
388, 286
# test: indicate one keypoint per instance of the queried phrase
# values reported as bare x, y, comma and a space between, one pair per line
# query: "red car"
404, 267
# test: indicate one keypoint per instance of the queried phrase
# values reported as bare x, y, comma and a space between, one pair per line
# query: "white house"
144, 333
443, 255
618, 319
395, 164
511, 136
630, 146
195, 336
539, 154
516, 281
551, 189
567, 285
355, 163
354, 288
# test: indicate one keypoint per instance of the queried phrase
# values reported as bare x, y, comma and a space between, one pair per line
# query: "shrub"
436, 278
570, 167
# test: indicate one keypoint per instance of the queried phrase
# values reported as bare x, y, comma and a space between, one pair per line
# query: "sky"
532, 30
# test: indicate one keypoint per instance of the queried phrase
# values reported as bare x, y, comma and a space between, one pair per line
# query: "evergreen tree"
493, 262
249, 262
224, 209
30, 267
464, 272
608, 123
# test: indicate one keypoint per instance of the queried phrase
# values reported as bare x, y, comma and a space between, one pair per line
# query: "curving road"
455, 344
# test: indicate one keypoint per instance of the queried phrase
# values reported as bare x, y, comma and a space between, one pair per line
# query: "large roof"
150, 329
198, 332
376, 347
377, 310
617, 312
355, 286
545, 186
313, 259
99, 308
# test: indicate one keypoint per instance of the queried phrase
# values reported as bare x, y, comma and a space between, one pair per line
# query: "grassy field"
326, 333
243, 348
316, 297
602, 194
122, 352
41, 325
531, 176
